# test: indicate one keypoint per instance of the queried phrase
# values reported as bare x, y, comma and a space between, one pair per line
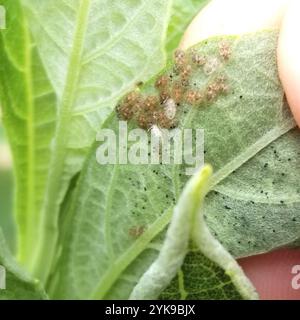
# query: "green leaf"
183, 11
205, 269
240, 128
6, 218
100, 257
28, 104
18, 285
6, 188
94, 52
258, 205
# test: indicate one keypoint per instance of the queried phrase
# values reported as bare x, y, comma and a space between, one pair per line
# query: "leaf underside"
248, 199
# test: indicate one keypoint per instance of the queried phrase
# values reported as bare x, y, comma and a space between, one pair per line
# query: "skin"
271, 273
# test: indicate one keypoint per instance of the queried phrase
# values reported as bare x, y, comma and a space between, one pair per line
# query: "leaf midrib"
31, 214
49, 227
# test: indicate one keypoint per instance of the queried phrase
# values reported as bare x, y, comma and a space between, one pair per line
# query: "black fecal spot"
241, 97
215, 192
282, 202
263, 217
283, 174
294, 219
145, 189
289, 159
167, 196
252, 202
274, 231
239, 242
262, 191
227, 208
266, 165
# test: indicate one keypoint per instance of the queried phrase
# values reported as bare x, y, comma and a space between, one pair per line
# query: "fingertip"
234, 17
289, 57
272, 275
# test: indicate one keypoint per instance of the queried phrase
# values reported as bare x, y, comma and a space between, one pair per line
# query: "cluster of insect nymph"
174, 88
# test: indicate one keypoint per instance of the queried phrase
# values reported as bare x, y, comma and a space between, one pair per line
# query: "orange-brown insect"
222, 85
185, 75
179, 56
132, 97
217, 87
125, 111
180, 60
198, 59
177, 92
224, 50
164, 95
186, 71
136, 231
193, 97
144, 121
151, 103
212, 91
165, 122
162, 82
